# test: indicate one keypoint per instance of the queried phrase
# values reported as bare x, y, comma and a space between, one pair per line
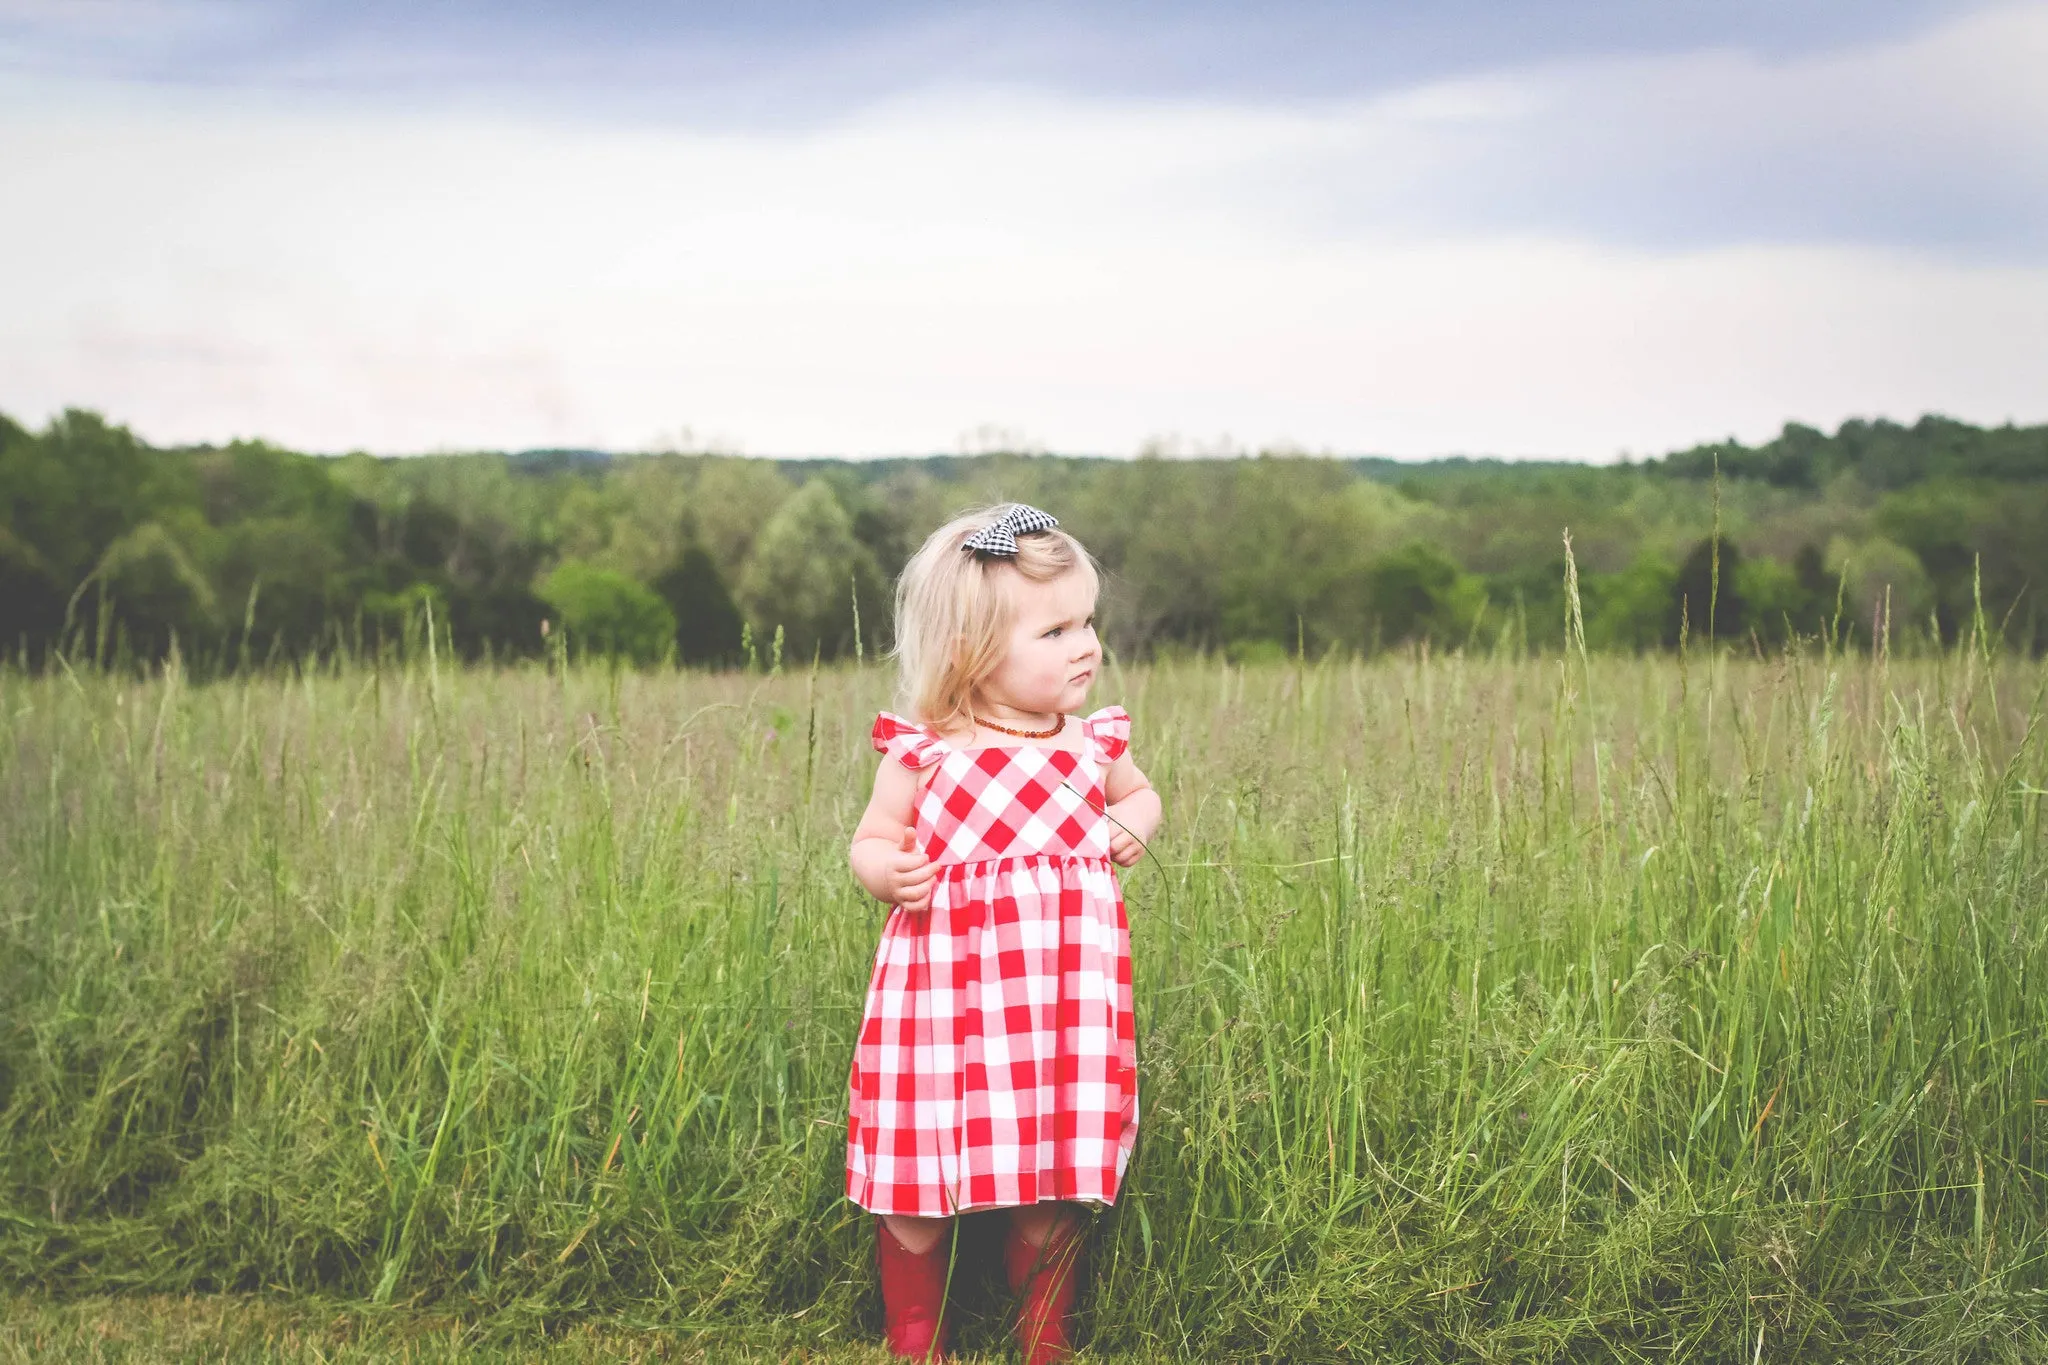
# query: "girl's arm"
885, 856
1134, 808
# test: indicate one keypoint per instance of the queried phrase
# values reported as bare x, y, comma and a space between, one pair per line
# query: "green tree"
1242, 554
1699, 589
1810, 567
1529, 600
153, 591
276, 579
608, 613
803, 572
1152, 523
31, 602
707, 619
1295, 551
1941, 524
75, 489
1418, 592
1884, 579
730, 505
1775, 598
1632, 609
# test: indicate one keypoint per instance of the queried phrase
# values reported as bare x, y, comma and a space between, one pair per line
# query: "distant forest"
119, 552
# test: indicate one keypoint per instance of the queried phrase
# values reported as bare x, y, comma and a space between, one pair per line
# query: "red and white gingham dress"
997, 1061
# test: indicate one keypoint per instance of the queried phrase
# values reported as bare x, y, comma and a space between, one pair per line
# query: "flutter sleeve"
1110, 728
911, 745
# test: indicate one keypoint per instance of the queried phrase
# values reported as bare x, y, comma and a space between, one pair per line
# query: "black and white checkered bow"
1000, 537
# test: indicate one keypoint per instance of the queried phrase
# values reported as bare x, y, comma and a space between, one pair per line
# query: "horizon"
1152, 450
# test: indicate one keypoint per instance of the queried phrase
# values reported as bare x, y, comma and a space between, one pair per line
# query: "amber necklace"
1058, 726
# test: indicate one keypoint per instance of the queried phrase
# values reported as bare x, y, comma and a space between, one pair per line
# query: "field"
1489, 1009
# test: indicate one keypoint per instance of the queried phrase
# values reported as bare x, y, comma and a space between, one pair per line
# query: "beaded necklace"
1058, 726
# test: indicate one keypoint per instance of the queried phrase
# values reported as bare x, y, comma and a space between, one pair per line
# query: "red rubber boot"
913, 1295
1043, 1278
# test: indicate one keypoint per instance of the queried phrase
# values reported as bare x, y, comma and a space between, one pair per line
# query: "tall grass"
1487, 1009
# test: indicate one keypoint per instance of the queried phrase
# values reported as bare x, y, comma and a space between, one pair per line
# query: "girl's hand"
1133, 810
908, 875
1125, 850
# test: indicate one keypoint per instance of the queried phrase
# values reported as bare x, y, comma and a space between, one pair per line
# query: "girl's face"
1053, 651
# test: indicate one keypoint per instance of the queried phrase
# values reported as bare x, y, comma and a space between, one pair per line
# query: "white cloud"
1936, 143
1089, 271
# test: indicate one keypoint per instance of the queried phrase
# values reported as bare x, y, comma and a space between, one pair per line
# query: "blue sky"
775, 60
1560, 228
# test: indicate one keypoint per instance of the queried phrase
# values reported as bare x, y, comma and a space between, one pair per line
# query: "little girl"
996, 1066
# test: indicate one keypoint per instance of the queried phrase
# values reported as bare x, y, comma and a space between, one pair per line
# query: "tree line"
234, 555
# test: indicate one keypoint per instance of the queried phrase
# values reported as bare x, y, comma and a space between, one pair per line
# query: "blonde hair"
954, 611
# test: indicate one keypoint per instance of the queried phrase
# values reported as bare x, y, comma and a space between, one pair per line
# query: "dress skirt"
997, 1058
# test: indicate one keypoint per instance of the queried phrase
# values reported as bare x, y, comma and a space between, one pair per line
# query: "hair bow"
1000, 536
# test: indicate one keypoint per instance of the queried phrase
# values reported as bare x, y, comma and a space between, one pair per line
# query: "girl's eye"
1053, 632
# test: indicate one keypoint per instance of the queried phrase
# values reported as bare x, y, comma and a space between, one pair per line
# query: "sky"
1575, 228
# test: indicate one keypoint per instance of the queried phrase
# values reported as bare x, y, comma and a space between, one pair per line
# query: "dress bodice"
1010, 800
